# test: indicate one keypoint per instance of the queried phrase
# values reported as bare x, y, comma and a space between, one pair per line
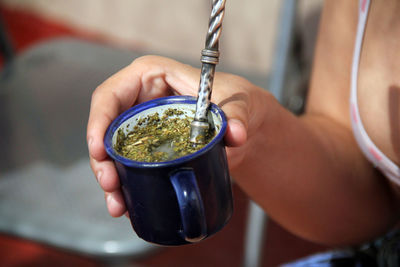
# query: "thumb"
236, 133
236, 110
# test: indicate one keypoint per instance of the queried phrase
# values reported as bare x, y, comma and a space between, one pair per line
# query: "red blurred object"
17, 252
26, 29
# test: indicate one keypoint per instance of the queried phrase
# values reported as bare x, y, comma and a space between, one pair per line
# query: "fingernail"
108, 199
111, 200
98, 176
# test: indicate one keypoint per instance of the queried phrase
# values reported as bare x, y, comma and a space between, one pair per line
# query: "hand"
151, 77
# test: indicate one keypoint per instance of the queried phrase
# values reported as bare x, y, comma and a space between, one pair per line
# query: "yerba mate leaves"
157, 139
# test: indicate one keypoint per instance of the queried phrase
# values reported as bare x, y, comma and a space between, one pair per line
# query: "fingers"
179, 78
235, 103
108, 179
236, 111
106, 174
108, 100
236, 133
115, 203
146, 78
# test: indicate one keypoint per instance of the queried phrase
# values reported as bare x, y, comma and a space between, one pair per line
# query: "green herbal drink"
157, 138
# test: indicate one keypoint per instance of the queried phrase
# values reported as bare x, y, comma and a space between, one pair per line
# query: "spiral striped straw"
209, 58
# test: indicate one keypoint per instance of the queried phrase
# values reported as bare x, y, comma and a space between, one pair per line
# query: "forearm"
309, 175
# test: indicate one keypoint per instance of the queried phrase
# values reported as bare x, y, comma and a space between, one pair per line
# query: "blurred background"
54, 54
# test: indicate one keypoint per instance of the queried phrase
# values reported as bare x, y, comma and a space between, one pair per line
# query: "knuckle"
144, 60
95, 93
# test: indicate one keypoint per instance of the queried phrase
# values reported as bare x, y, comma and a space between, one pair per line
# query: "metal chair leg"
257, 219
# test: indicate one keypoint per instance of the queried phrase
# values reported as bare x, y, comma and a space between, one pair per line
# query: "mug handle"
190, 205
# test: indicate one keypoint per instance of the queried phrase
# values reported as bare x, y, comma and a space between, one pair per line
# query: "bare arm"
309, 174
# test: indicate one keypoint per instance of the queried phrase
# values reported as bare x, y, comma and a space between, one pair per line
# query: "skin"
306, 172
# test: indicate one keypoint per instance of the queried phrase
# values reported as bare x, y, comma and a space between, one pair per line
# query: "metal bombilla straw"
209, 58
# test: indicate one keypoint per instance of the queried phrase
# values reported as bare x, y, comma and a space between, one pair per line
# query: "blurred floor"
223, 249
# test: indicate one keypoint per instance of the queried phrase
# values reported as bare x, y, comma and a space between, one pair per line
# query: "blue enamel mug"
180, 201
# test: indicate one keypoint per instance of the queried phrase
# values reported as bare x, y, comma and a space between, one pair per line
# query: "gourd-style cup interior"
129, 119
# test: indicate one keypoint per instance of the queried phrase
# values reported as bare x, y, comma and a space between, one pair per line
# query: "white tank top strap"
371, 151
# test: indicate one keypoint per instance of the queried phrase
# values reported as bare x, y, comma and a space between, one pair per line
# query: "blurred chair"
47, 191
6, 48
288, 82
